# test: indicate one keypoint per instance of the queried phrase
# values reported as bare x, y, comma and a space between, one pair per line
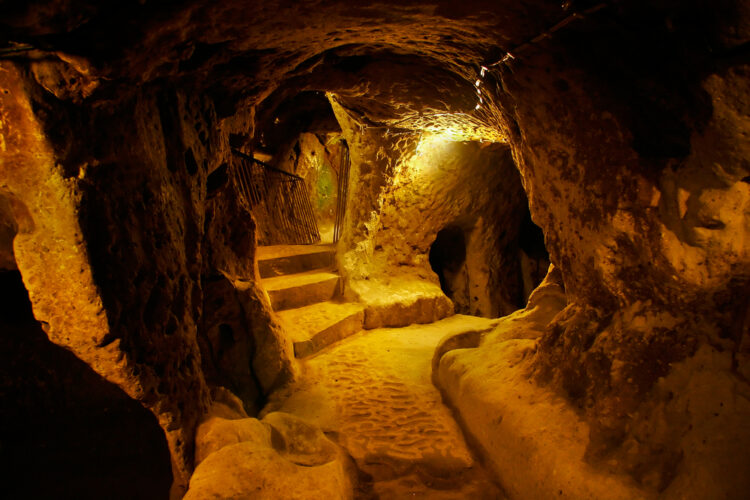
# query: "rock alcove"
158, 160
447, 259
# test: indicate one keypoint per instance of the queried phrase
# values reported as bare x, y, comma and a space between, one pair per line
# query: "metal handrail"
342, 191
264, 164
279, 199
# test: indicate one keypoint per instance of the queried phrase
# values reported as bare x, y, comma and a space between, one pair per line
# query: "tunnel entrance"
534, 258
322, 160
447, 258
299, 134
65, 431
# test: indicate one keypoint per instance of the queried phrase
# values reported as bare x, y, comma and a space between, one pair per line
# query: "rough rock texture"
128, 308
242, 346
314, 45
523, 427
280, 457
654, 270
392, 302
54, 260
8, 230
119, 230
532, 439
474, 189
227, 344
148, 272
375, 157
406, 188
628, 123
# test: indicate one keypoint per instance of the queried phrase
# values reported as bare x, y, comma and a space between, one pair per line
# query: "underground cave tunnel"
478, 249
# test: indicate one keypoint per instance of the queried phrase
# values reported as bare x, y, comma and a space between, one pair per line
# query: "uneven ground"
372, 392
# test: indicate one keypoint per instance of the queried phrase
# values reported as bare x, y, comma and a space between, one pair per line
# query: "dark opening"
190, 164
281, 118
65, 432
531, 239
447, 255
217, 180
534, 258
226, 338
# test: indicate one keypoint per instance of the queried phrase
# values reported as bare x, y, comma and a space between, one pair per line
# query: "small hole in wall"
534, 258
226, 337
447, 256
531, 239
217, 180
190, 164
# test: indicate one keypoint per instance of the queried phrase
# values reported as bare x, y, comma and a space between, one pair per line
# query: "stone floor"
372, 393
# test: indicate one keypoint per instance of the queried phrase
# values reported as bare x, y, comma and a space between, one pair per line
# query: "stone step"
316, 326
277, 260
302, 289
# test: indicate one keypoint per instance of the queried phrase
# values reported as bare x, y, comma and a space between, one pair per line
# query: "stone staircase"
305, 293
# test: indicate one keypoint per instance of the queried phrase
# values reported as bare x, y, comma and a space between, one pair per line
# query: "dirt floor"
372, 393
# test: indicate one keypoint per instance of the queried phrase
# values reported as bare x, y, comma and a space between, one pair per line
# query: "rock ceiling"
400, 64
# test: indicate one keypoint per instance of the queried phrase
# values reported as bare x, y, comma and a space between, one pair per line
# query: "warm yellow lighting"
430, 152
435, 156
432, 144
480, 122
470, 126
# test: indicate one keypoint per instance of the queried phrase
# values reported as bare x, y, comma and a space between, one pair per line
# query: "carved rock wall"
469, 186
629, 128
405, 188
641, 188
242, 346
111, 237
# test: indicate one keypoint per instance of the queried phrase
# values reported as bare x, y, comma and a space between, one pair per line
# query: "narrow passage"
372, 393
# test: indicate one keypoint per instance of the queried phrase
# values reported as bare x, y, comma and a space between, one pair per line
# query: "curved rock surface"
279, 457
627, 121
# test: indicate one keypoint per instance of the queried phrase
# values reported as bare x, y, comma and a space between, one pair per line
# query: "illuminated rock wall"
406, 187
642, 199
469, 186
89, 227
392, 300
112, 244
628, 126
636, 169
